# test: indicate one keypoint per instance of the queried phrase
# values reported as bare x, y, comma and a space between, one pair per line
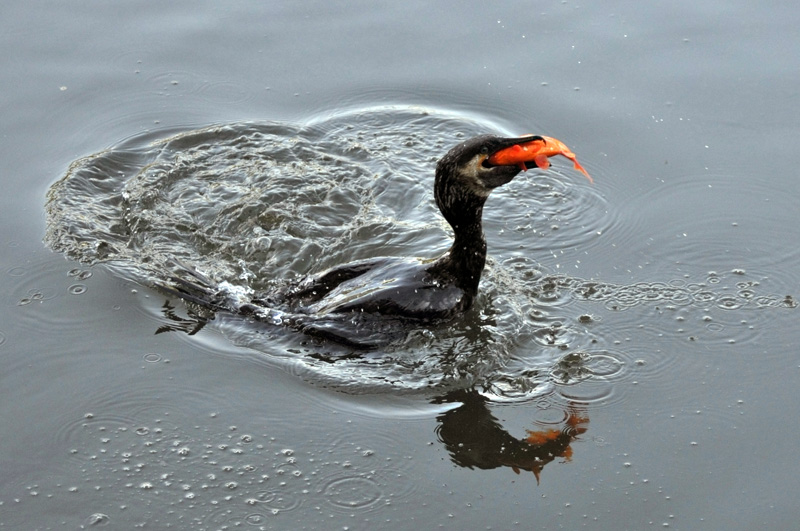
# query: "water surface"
643, 327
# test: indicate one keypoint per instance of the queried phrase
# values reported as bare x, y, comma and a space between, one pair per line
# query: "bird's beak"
505, 148
512, 151
508, 142
532, 149
507, 151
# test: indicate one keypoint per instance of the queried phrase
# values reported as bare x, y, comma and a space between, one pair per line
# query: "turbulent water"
257, 205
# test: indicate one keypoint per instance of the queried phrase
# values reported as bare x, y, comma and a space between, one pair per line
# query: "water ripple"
259, 204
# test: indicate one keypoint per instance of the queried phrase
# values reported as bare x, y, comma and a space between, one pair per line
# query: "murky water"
628, 363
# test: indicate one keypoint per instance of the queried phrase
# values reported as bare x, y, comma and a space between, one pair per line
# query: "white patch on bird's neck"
470, 174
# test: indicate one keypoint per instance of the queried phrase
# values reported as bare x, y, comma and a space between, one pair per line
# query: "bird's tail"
192, 286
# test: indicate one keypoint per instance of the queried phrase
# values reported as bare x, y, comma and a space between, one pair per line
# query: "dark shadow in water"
476, 439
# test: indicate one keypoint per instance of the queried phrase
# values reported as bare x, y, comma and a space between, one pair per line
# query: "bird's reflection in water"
472, 435
476, 439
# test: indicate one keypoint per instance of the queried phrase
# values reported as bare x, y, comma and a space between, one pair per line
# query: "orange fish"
536, 151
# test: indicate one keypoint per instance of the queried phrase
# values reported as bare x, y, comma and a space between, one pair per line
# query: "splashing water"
256, 205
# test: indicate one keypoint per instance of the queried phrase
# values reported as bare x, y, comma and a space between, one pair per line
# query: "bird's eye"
484, 150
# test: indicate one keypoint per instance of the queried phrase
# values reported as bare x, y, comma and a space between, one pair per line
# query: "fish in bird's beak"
535, 149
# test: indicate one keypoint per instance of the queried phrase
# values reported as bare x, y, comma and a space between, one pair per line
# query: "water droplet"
255, 519
80, 274
77, 289
98, 519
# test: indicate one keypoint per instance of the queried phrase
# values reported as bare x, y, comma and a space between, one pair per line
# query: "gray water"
631, 361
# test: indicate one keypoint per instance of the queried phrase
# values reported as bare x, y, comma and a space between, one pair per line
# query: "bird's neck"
468, 256
462, 207
465, 259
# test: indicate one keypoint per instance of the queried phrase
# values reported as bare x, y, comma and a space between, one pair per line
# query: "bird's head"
467, 165
465, 178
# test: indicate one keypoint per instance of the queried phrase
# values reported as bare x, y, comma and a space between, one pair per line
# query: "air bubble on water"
98, 519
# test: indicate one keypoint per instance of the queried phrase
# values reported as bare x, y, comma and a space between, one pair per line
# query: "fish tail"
583, 171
